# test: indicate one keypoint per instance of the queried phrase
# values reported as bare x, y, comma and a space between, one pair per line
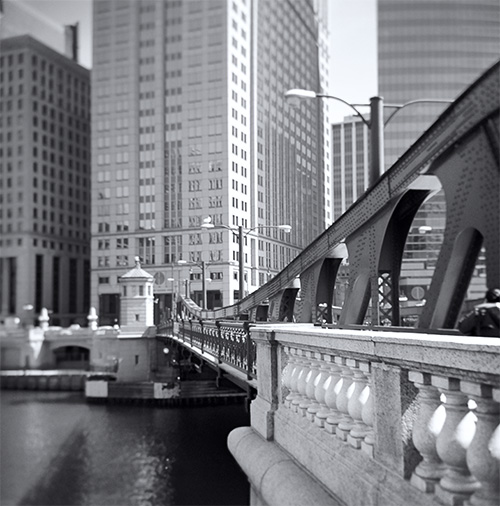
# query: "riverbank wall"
182, 393
43, 380
99, 388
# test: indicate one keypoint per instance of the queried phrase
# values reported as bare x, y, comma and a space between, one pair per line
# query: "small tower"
136, 299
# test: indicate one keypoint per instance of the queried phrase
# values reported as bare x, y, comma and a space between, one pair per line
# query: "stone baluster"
44, 319
319, 390
356, 403
92, 318
302, 381
457, 484
483, 454
295, 367
310, 399
286, 373
346, 423
367, 413
331, 386
343, 390
427, 427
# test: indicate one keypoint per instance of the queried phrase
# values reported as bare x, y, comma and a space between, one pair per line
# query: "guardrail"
228, 342
397, 418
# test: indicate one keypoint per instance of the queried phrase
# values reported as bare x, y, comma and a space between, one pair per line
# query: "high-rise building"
189, 122
350, 161
430, 49
18, 18
44, 182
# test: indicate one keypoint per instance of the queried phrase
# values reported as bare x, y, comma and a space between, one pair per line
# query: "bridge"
352, 407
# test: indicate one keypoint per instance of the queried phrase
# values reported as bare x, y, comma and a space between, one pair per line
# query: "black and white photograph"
249, 252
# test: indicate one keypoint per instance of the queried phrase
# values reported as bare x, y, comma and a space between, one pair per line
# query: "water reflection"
58, 450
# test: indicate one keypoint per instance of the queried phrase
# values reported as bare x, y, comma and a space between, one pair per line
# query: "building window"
147, 249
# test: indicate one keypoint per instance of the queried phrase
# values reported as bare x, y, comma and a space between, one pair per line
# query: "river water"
56, 449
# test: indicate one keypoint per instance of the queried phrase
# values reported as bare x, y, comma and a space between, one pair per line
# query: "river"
56, 449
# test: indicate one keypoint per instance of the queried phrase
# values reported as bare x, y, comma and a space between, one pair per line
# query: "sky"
353, 72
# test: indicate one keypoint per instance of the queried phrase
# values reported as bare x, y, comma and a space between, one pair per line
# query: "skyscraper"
18, 18
430, 49
44, 182
189, 123
350, 161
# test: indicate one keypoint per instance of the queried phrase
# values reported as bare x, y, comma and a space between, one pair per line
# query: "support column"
263, 407
393, 419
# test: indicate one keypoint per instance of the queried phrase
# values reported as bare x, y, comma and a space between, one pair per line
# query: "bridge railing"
228, 342
417, 412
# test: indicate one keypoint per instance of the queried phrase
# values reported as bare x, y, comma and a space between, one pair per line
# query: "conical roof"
137, 272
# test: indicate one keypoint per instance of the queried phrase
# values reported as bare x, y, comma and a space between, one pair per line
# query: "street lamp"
174, 295
376, 123
207, 223
202, 265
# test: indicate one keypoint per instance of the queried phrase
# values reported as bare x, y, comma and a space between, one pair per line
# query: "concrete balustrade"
331, 386
456, 484
458, 436
355, 405
377, 418
483, 454
427, 427
319, 390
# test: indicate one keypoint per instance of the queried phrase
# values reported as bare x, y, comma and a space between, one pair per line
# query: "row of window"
79, 234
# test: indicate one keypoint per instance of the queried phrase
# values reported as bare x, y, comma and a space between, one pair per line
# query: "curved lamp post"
241, 233
376, 123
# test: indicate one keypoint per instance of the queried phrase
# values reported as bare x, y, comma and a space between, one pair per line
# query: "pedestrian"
484, 320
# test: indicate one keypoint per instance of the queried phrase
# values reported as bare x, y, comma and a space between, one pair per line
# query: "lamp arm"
275, 227
363, 119
411, 102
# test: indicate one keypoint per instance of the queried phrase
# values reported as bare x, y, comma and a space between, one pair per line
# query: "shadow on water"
136, 455
220, 480
61, 485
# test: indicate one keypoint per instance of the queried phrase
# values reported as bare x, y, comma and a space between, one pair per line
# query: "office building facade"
350, 161
430, 49
189, 123
44, 182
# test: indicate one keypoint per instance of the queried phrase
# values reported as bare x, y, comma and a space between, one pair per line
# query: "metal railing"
228, 342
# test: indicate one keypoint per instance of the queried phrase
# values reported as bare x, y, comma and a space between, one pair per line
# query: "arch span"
71, 357
457, 277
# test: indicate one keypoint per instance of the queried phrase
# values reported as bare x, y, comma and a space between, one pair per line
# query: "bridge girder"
461, 151
469, 174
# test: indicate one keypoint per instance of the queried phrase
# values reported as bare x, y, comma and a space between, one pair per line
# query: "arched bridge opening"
72, 357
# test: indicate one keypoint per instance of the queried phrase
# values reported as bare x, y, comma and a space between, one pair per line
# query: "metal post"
246, 328
241, 264
376, 138
174, 305
204, 285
